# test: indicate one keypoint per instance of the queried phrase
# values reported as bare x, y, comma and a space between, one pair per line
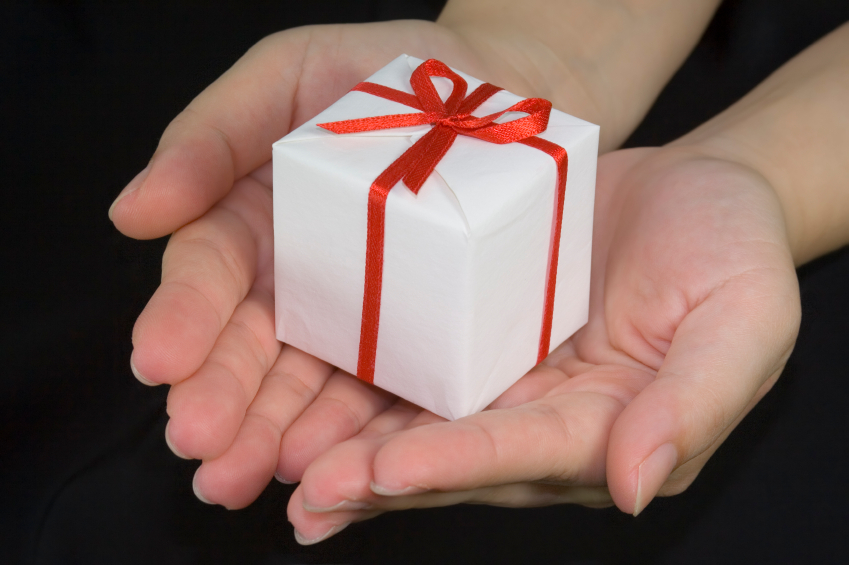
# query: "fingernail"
652, 473
345, 505
331, 532
139, 376
383, 491
280, 478
171, 445
130, 188
198, 494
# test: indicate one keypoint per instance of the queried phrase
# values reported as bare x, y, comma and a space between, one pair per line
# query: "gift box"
432, 234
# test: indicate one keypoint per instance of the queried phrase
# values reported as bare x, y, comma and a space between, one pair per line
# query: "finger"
562, 437
237, 478
223, 134
684, 475
208, 408
311, 528
340, 481
341, 478
335, 487
536, 384
315, 526
207, 269
342, 409
720, 358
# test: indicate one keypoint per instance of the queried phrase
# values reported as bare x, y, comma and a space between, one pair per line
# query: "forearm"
604, 61
794, 130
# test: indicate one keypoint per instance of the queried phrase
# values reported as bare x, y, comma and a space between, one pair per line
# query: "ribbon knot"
454, 122
449, 119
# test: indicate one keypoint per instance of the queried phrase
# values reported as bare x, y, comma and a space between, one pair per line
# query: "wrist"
793, 130
528, 67
724, 147
603, 62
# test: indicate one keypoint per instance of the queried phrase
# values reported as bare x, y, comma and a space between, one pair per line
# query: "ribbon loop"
534, 123
426, 91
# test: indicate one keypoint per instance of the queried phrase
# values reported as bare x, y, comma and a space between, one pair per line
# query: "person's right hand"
209, 328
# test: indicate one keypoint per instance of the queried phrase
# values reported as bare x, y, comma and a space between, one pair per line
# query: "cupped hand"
208, 330
694, 312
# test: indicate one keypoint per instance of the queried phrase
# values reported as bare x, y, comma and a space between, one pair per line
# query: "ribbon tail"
430, 150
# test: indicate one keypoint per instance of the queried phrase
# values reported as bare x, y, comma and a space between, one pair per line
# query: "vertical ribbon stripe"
561, 159
450, 119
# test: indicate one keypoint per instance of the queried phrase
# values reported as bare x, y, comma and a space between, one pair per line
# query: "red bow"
450, 119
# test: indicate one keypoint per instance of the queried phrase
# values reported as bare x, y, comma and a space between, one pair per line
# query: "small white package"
449, 309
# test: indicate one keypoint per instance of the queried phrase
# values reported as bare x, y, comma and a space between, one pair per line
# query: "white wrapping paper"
464, 268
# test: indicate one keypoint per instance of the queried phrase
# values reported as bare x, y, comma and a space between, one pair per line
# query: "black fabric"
85, 90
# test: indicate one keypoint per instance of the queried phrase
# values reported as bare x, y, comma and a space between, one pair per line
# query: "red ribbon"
449, 119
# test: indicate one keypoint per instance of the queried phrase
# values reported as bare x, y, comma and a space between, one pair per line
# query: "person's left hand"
241, 401
694, 312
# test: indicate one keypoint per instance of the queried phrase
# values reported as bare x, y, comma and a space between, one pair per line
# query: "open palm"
694, 311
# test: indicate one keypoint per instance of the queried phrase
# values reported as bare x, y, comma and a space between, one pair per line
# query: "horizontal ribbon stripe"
449, 119
381, 122
389, 94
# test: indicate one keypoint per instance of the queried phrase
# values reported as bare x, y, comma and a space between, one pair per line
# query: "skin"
698, 326
692, 276
694, 312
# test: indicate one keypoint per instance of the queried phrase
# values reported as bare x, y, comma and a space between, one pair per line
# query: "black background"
86, 89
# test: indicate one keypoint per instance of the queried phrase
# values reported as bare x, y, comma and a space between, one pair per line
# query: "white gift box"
464, 261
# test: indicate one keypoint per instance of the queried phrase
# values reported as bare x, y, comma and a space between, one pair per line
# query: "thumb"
225, 133
724, 356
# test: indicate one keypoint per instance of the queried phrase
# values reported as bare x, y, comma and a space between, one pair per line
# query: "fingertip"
304, 540
170, 443
341, 475
406, 491
206, 414
408, 463
191, 171
312, 528
173, 335
197, 490
138, 375
239, 476
127, 195
207, 487
192, 438
281, 479
639, 450
652, 473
